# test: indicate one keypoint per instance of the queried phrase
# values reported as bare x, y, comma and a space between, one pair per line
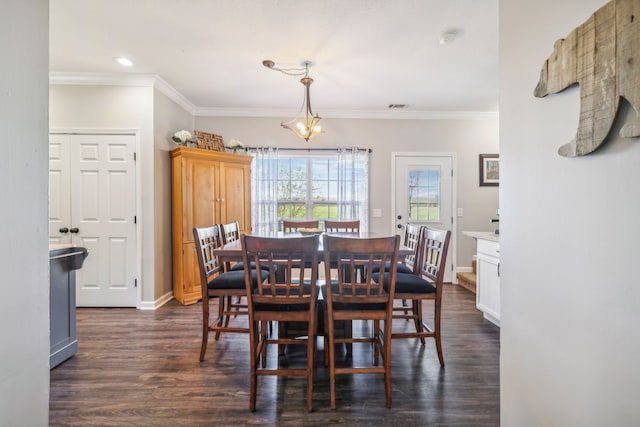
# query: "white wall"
467, 138
168, 118
570, 239
24, 257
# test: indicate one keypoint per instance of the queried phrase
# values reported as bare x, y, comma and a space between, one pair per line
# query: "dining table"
232, 252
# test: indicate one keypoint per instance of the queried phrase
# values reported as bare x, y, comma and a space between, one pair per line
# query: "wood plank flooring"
141, 368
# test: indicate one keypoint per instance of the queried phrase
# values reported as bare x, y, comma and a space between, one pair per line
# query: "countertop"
484, 235
56, 246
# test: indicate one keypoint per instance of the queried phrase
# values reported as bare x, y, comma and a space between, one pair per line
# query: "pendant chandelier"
305, 125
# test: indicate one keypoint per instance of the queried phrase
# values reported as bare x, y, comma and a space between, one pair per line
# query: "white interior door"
424, 195
92, 204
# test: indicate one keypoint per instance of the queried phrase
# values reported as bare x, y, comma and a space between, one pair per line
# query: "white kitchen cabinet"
488, 280
487, 274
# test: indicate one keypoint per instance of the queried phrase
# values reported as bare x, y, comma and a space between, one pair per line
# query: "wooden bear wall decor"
602, 56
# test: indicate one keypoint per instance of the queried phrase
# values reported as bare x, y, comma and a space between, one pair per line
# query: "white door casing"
441, 188
92, 194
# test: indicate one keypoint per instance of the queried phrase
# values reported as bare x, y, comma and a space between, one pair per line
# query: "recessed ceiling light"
125, 62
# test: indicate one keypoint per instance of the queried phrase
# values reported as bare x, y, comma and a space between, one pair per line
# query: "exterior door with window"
424, 196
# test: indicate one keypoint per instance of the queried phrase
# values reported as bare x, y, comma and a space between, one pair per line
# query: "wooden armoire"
208, 187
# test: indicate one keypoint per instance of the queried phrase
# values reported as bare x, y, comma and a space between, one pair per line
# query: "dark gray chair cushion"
408, 283
346, 306
235, 280
287, 307
240, 266
400, 268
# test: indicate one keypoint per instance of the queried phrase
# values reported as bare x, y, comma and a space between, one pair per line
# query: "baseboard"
154, 305
464, 269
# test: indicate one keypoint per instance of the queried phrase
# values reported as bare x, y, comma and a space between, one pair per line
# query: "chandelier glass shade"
305, 125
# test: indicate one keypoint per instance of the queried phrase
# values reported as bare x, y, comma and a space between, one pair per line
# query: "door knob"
399, 225
74, 230
399, 216
64, 230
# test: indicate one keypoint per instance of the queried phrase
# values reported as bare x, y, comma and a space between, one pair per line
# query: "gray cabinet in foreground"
63, 261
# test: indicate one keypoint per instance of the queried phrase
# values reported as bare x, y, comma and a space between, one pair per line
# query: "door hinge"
135, 283
452, 220
135, 156
451, 172
135, 219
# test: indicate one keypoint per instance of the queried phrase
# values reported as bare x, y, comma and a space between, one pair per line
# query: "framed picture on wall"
489, 170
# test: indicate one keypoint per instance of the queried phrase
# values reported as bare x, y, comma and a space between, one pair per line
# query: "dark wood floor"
141, 368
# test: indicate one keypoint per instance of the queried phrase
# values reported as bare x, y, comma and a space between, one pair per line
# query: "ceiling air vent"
398, 106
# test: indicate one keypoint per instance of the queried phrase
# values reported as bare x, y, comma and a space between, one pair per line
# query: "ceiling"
366, 54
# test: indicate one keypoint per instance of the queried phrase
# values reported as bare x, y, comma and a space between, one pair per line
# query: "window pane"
424, 194
308, 188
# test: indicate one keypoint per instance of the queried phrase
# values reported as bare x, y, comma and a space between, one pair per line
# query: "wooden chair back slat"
332, 226
294, 225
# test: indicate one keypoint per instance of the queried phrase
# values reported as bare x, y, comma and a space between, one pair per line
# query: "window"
424, 194
310, 186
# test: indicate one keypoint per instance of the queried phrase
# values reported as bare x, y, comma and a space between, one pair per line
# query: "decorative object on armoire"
305, 127
182, 137
489, 170
599, 55
235, 145
207, 187
209, 141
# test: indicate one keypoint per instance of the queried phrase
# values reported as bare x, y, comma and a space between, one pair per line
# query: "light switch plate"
376, 213
460, 212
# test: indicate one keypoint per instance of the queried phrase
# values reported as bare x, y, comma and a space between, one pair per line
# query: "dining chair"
289, 225
425, 284
410, 238
348, 299
288, 294
334, 226
215, 282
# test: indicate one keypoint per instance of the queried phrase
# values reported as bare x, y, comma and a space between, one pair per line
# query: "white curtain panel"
264, 191
353, 185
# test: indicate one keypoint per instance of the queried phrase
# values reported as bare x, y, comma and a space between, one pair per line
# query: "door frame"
454, 194
138, 198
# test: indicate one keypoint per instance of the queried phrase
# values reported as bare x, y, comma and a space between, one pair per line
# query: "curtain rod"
368, 150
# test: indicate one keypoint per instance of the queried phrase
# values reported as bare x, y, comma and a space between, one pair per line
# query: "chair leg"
332, 365
437, 334
417, 312
228, 308
326, 339
221, 306
205, 328
238, 303
406, 311
376, 338
386, 349
263, 343
311, 360
253, 376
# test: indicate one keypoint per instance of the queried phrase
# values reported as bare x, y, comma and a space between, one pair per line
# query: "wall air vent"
398, 106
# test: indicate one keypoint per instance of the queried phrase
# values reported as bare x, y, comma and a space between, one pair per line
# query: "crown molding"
121, 79
411, 115
157, 82
349, 114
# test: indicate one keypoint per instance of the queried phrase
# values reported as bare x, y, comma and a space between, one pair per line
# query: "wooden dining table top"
234, 249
